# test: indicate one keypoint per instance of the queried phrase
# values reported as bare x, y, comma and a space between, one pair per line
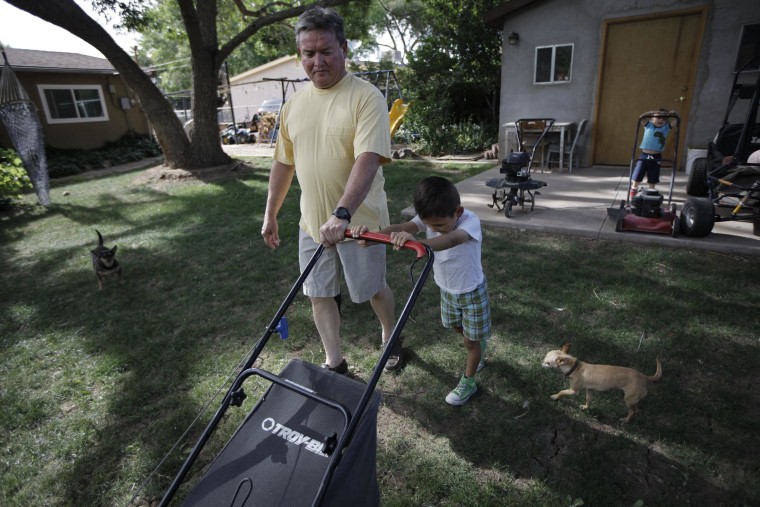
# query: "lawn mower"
237, 134
510, 190
647, 211
725, 185
311, 438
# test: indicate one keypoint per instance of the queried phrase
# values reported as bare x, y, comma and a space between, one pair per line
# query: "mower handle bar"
418, 247
669, 115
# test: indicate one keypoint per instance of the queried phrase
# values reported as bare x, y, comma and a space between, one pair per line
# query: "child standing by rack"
656, 130
454, 235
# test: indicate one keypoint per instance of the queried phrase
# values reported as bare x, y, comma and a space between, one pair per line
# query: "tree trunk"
200, 23
177, 149
199, 17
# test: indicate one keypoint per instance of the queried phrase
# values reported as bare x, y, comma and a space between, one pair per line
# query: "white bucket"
691, 155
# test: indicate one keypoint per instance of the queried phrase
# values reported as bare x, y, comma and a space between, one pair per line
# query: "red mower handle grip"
419, 248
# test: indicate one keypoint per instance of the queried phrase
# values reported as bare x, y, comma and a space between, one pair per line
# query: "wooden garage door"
647, 63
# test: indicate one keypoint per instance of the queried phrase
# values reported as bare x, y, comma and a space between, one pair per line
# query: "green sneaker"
462, 392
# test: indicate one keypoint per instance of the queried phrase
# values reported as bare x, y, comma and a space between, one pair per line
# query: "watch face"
342, 213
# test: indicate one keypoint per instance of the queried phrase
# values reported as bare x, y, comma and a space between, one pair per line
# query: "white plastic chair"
569, 151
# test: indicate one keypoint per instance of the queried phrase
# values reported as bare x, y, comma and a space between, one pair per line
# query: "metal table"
564, 129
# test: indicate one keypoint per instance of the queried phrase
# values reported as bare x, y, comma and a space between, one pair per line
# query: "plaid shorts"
470, 311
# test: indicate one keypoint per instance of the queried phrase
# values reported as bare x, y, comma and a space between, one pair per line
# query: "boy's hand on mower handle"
356, 231
399, 239
420, 249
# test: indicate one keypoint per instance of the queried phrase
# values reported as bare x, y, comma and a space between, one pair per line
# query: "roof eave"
495, 17
64, 71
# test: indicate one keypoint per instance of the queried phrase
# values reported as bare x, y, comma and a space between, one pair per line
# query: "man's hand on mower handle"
333, 231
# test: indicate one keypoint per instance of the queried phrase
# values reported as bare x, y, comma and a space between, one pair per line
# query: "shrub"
13, 177
470, 137
434, 137
64, 162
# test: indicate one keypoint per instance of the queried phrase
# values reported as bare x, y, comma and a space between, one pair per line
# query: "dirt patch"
162, 175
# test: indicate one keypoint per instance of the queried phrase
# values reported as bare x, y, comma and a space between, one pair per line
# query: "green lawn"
96, 386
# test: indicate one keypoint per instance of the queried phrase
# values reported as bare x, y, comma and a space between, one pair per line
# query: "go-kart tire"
226, 140
697, 217
508, 209
242, 139
697, 185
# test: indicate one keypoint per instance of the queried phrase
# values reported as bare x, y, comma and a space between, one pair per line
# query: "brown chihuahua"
600, 377
104, 261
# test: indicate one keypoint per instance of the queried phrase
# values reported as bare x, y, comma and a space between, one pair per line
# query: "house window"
73, 103
553, 64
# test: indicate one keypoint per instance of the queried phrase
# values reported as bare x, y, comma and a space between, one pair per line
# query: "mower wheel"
696, 185
619, 218
697, 217
675, 230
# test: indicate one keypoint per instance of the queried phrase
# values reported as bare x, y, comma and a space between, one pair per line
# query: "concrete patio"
576, 204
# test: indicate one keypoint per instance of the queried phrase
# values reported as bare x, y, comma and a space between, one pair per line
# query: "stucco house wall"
581, 22
249, 89
37, 70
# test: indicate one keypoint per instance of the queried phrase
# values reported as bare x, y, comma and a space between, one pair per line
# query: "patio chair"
569, 150
531, 136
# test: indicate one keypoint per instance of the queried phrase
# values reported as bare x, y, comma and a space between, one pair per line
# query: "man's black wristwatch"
342, 213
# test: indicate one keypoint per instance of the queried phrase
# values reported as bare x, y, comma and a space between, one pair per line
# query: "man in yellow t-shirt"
334, 136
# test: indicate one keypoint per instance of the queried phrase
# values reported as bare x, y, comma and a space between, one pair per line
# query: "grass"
97, 386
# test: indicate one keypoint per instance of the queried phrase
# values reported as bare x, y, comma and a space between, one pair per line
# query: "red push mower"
647, 211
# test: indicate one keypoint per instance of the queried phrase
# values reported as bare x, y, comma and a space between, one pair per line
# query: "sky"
23, 31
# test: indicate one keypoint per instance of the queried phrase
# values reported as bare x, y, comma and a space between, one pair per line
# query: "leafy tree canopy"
209, 27
165, 44
454, 72
458, 60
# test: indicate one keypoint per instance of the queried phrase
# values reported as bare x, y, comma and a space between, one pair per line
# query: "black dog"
104, 261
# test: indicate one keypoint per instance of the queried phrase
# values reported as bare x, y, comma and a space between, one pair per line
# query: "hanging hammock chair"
19, 116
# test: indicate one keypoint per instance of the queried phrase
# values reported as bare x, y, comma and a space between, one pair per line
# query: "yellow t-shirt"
322, 132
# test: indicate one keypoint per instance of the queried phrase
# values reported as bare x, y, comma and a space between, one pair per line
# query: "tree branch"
261, 12
270, 19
